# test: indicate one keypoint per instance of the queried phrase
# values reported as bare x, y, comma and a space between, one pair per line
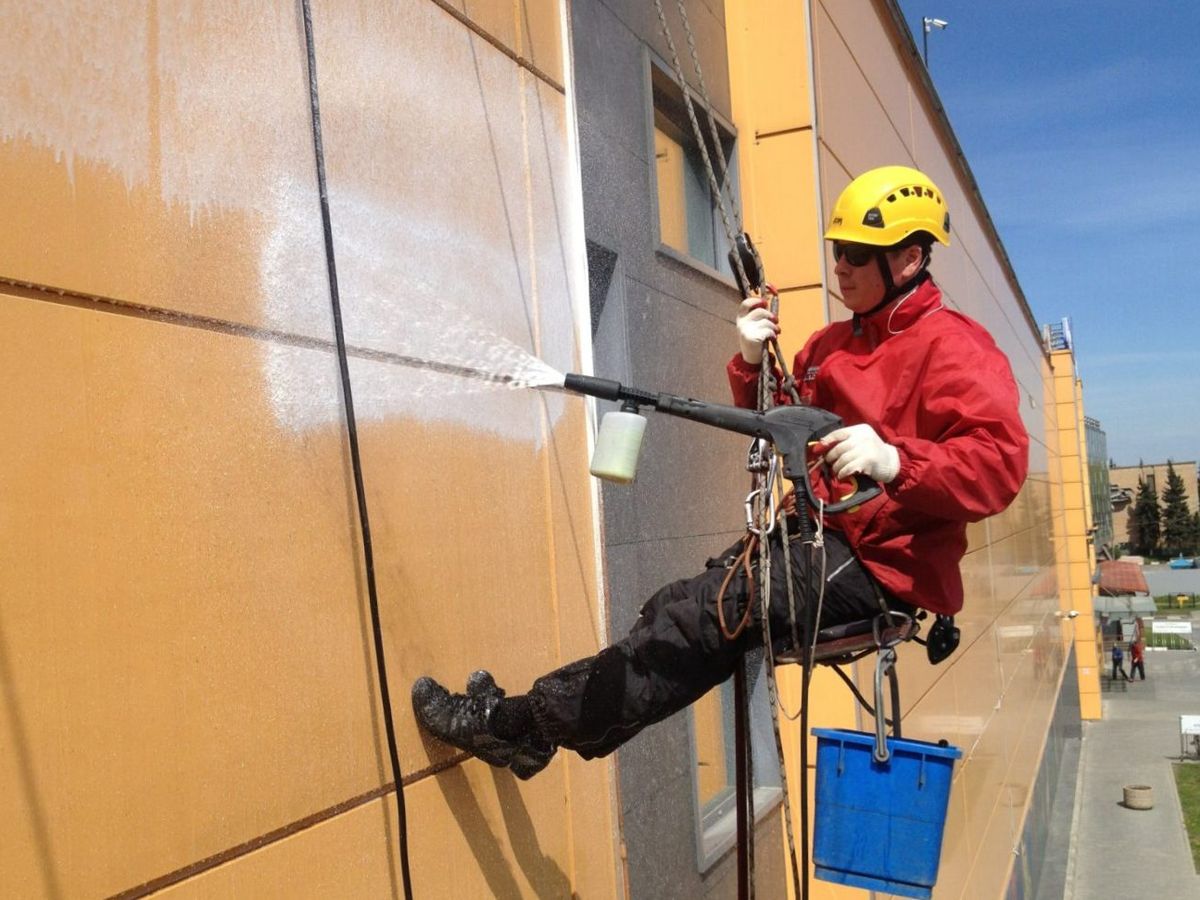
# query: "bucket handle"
885, 663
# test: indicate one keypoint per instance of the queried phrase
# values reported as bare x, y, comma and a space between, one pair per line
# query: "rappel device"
746, 253
790, 428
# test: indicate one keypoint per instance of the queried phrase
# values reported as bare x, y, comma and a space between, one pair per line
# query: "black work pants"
675, 652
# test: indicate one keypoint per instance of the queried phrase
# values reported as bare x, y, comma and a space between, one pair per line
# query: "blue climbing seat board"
879, 825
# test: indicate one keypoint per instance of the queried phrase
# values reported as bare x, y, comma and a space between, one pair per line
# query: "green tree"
1144, 520
1176, 517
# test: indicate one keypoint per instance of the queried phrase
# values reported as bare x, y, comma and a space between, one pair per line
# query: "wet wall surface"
190, 699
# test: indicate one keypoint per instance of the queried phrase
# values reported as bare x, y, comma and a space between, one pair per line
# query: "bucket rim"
846, 736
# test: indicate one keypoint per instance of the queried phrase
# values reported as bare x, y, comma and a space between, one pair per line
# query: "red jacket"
933, 383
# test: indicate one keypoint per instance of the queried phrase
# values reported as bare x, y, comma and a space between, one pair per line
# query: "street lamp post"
927, 24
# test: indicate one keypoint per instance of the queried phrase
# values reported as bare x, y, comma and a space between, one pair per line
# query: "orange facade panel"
190, 695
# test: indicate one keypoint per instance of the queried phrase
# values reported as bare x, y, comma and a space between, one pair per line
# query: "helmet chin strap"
891, 290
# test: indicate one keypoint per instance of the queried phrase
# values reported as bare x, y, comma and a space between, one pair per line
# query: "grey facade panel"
664, 325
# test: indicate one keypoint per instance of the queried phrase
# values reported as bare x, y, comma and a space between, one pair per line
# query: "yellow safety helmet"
884, 206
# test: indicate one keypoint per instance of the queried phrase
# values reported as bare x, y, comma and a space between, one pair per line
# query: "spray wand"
790, 428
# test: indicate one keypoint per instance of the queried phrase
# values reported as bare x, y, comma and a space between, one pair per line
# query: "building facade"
1100, 486
191, 699
1126, 478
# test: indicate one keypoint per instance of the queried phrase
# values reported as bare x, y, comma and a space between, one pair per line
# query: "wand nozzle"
790, 428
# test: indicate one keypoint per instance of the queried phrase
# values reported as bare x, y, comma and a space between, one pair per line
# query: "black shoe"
527, 757
461, 720
480, 683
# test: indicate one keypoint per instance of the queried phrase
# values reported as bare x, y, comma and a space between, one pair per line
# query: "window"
689, 219
714, 760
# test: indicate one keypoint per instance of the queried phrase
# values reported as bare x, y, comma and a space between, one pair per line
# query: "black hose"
808, 543
355, 457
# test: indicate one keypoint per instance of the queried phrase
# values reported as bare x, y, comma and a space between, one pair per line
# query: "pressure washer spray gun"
789, 428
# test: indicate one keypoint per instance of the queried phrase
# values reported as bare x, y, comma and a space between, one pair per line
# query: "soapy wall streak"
189, 694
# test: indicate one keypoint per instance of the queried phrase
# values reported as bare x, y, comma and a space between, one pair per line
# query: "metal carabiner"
763, 496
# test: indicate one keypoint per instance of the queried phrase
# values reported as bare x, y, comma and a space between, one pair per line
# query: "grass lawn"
1187, 781
1168, 603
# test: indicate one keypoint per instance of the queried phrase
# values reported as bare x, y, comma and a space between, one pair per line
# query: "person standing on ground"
1118, 661
932, 413
1137, 659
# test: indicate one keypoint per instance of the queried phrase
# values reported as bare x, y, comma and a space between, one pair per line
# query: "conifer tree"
1145, 520
1176, 517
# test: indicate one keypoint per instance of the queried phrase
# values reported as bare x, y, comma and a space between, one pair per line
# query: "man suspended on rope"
932, 414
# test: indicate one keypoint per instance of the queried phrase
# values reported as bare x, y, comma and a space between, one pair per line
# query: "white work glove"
858, 449
755, 324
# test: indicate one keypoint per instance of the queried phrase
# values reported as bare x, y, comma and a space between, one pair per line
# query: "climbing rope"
763, 487
355, 456
718, 195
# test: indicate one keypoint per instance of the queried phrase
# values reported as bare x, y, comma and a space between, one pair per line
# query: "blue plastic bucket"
879, 825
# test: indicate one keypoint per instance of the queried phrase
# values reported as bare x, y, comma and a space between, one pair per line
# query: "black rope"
866, 704
355, 456
811, 625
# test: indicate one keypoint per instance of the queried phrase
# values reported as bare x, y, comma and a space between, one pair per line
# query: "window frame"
659, 79
716, 827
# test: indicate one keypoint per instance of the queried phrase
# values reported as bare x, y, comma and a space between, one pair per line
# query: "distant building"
1100, 486
1124, 483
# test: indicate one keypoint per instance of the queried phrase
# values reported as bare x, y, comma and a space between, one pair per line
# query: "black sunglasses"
857, 255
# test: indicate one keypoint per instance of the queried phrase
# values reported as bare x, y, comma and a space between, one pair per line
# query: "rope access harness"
355, 456
888, 629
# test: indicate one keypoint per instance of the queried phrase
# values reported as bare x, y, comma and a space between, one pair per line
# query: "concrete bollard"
1139, 796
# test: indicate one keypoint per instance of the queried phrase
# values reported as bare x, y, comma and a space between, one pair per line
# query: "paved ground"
1127, 853
1162, 579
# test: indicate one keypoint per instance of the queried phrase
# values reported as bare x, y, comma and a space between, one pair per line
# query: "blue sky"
1081, 122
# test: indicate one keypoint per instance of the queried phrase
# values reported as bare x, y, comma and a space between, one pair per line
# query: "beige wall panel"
169, 183
977, 534
182, 609
1064, 387
930, 711
124, 149
775, 61
205, 643
1039, 452
471, 836
833, 705
858, 30
408, 265
1076, 525
980, 777
994, 858
787, 201
527, 27
976, 676
800, 314
957, 851
346, 856
1081, 576
976, 568
845, 115
1086, 651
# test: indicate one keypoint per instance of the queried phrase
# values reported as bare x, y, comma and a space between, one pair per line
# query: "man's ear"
912, 258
